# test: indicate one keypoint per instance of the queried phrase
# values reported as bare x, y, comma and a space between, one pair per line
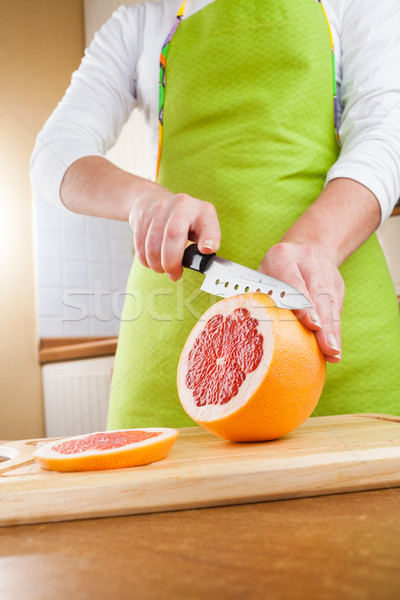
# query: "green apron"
248, 126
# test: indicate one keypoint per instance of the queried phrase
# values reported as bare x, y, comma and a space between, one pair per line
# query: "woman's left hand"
313, 272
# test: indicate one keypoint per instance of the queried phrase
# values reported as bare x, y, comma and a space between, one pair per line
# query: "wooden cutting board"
325, 455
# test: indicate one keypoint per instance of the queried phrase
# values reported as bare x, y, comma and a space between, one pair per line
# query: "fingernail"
315, 318
332, 341
209, 244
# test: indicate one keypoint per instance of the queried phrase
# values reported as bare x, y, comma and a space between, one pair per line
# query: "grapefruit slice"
107, 450
250, 371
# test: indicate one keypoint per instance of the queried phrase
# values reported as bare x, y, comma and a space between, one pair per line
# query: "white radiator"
76, 395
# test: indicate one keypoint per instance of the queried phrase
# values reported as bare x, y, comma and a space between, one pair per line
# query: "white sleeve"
370, 98
99, 100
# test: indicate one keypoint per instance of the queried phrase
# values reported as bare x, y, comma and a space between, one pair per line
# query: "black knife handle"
196, 260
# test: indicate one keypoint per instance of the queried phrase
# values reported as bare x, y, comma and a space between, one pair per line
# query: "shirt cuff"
55, 159
353, 171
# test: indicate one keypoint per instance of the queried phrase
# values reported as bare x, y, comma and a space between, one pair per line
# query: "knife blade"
225, 278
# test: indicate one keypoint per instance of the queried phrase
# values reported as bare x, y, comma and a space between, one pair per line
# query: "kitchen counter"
70, 348
343, 546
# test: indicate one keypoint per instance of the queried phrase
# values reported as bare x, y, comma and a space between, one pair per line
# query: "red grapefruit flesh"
107, 450
250, 371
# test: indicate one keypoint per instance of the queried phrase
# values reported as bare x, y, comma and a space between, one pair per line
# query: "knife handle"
196, 260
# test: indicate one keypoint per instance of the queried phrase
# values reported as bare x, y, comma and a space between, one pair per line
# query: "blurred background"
63, 275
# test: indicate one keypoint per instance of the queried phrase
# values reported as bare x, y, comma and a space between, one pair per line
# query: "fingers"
313, 273
139, 227
208, 229
326, 289
163, 223
154, 241
174, 243
191, 219
329, 336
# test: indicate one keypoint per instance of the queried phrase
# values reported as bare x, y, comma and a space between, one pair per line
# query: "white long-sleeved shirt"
120, 72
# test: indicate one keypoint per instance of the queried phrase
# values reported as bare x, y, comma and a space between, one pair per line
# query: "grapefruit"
250, 371
107, 450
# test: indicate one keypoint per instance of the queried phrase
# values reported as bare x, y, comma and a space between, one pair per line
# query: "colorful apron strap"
161, 83
334, 75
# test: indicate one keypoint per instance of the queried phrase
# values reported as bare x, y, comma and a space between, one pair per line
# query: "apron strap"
334, 76
161, 83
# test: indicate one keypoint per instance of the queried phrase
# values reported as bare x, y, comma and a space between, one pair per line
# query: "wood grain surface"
337, 547
325, 455
64, 349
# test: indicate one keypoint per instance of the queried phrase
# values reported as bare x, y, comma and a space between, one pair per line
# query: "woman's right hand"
162, 224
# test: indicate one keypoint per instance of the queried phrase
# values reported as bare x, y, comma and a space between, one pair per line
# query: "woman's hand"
163, 223
312, 271
342, 217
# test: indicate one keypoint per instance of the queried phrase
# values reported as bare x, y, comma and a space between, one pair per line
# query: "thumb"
291, 275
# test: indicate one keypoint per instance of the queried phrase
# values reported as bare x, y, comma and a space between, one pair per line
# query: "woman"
247, 144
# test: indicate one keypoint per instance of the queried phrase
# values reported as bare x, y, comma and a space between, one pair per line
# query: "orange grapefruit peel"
107, 450
275, 393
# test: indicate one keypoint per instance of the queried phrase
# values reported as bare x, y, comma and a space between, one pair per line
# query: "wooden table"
331, 547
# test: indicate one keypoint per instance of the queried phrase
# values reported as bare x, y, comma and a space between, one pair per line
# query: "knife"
225, 278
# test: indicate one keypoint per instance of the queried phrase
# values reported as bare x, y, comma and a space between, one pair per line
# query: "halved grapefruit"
107, 450
250, 371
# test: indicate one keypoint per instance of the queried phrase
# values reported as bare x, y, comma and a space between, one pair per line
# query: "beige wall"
389, 237
41, 43
133, 151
